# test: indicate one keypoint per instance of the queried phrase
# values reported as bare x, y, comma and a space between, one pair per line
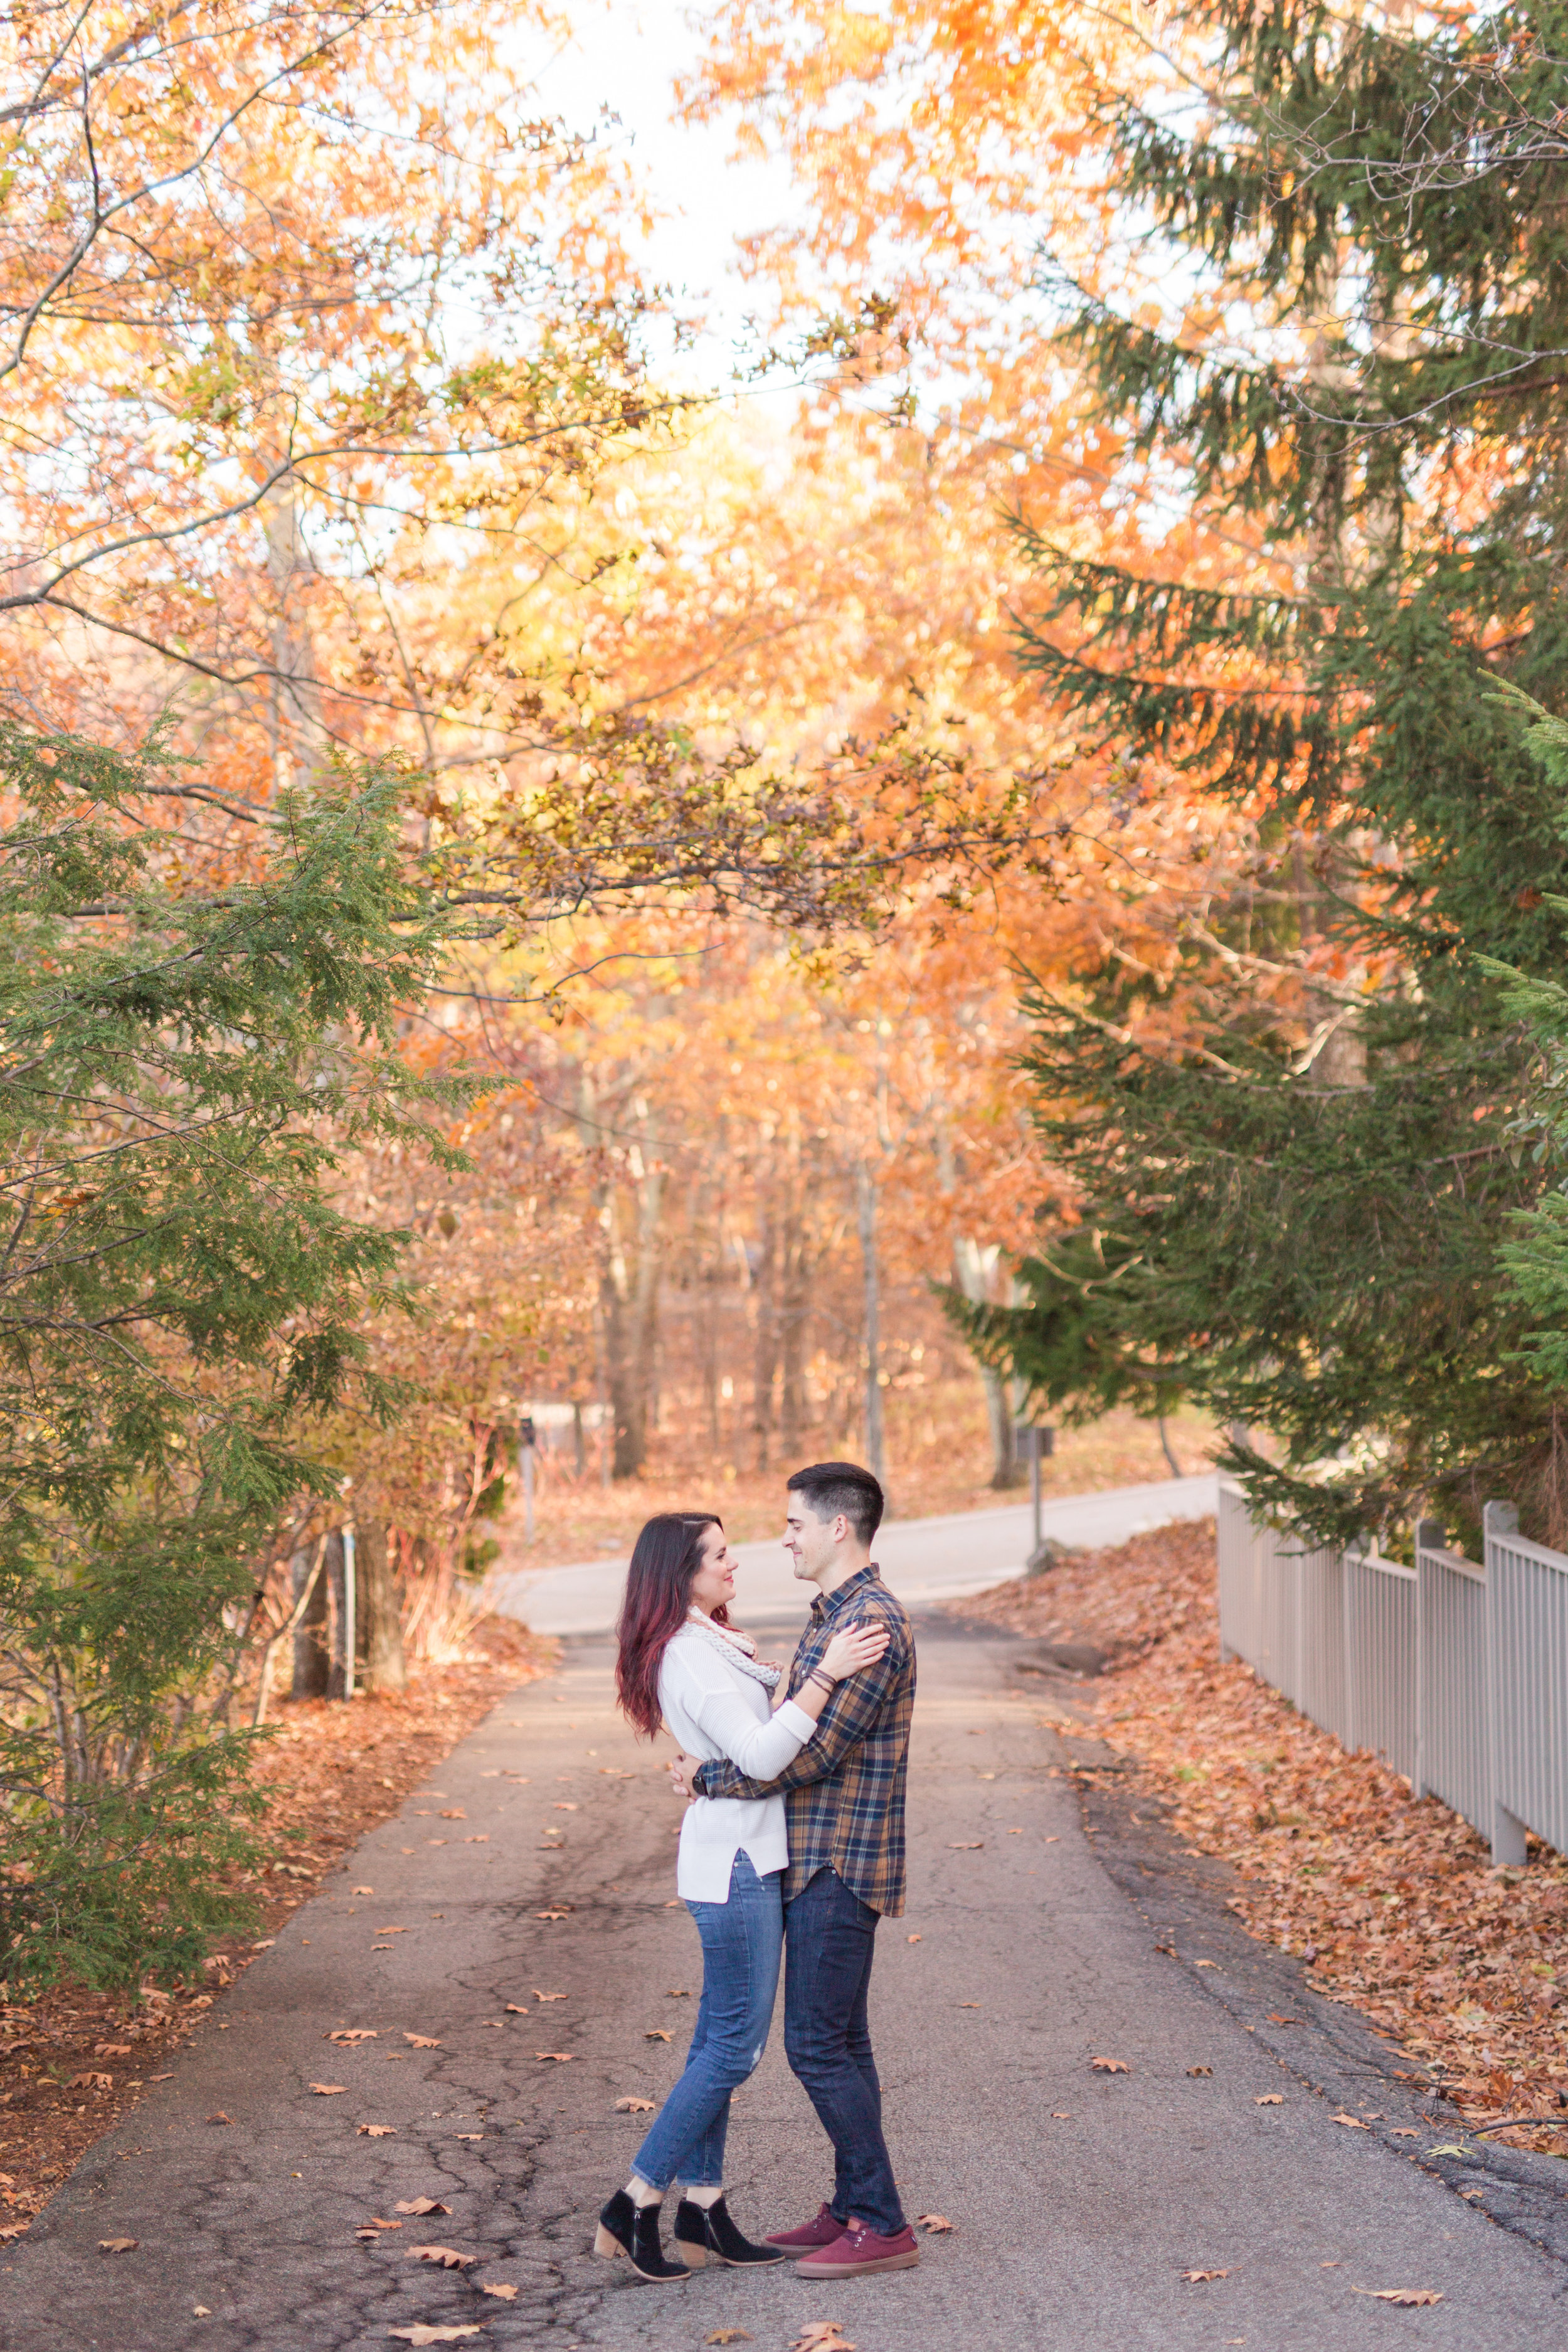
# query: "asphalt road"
924, 1559
1077, 2198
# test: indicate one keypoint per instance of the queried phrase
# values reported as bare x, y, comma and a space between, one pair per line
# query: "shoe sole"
609, 2249
858, 2269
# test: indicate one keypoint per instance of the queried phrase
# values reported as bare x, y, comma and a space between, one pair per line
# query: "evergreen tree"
181, 1056
1294, 1207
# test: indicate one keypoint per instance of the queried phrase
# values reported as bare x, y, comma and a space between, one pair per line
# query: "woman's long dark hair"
665, 1561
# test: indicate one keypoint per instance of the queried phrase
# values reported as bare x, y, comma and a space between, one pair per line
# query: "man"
845, 1798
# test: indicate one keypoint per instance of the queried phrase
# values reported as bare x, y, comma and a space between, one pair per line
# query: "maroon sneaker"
821, 2231
858, 2252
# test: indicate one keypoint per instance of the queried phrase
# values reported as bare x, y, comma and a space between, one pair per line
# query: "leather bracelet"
823, 1682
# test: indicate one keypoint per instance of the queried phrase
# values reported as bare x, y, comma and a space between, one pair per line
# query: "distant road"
922, 1559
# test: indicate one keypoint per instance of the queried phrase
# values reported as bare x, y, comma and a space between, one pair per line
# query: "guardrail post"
1499, 1521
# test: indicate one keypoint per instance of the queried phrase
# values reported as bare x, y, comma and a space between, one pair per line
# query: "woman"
681, 1661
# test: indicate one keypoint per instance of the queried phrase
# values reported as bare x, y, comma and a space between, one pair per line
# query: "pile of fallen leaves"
72, 2062
1392, 1903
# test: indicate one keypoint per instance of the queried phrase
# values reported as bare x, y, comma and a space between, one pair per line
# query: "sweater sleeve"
713, 1703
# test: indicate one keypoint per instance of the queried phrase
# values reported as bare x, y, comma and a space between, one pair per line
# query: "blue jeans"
742, 1944
831, 1935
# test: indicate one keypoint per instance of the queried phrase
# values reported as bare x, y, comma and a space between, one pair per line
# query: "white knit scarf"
737, 1647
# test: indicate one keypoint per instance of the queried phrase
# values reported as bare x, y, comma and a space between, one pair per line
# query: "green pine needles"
185, 1049
1309, 1208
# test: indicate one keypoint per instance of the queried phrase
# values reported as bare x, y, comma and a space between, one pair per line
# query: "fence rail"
1455, 1670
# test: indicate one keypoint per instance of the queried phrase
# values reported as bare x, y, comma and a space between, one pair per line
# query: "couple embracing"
794, 1843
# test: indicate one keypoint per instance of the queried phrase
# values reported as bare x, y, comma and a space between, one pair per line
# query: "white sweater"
714, 1710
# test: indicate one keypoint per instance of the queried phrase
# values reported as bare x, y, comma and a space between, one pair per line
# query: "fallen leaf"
1270, 2099
446, 2258
420, 2334
420, 2205
935, 2222
634, 2106
362, 1890
502, 2293
911, 1940
453, 1813
964, 1845
1405, 2131
1351, 2123
90, 2081
351, 2033
1273, 2019
329, 2090
111, 2048
200, 2311
1110, 2066
394, 1931
1197, 2278
1401, 2294
377, 2131
550, 1915
823, 2336
1450, 2148
554, 2057
421, 2041
1061, 2115
118, 2245
969, 2004
679, 1992
548, 1996
220, 2117
655, 2034
481, 1837
1207, 1964
470, 2135
728, 2336
565, 1809
376, 2223
1200, 2070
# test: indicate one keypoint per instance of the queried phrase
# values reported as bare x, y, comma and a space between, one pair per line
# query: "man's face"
809, 1541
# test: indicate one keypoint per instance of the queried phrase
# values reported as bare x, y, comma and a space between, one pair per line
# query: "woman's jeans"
741, 1942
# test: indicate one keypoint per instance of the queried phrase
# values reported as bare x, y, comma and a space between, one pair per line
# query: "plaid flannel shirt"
843, 1793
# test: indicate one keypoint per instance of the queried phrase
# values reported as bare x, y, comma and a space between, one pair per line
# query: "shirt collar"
844, 1595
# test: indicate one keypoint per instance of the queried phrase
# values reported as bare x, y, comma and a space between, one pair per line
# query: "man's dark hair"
834, 1487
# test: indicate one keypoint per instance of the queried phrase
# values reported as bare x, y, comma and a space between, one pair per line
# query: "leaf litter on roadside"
1197, 2278
634, 2106
446, 2258
728, 2336
1390, 1900
933, 2223
1400, 2294
420, 2205
823, 2336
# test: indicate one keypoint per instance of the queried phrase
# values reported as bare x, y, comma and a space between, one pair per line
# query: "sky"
625, 55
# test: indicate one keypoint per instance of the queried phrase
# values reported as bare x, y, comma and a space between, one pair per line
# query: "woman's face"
714, 1583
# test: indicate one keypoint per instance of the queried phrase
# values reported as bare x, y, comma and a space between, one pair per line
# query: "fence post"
1431, 1535
1499, 1521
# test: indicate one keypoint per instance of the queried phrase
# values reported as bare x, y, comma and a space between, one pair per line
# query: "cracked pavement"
1077, 2198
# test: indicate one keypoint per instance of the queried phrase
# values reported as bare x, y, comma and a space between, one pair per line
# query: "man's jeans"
829, 1936
742, 1940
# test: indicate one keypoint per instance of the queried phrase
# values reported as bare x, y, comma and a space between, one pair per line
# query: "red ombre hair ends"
664, 1563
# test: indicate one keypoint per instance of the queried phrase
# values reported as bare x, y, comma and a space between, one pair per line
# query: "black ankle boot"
704, 2232
633, 2230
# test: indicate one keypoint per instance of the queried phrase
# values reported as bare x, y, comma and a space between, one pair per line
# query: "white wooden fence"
1456, 1670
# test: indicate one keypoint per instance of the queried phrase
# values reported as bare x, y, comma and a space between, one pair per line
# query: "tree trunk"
381, 1614
865, 1206
629, 1287
312, 1662
793, 1292
972, 1267
764, 1361
334, 1576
